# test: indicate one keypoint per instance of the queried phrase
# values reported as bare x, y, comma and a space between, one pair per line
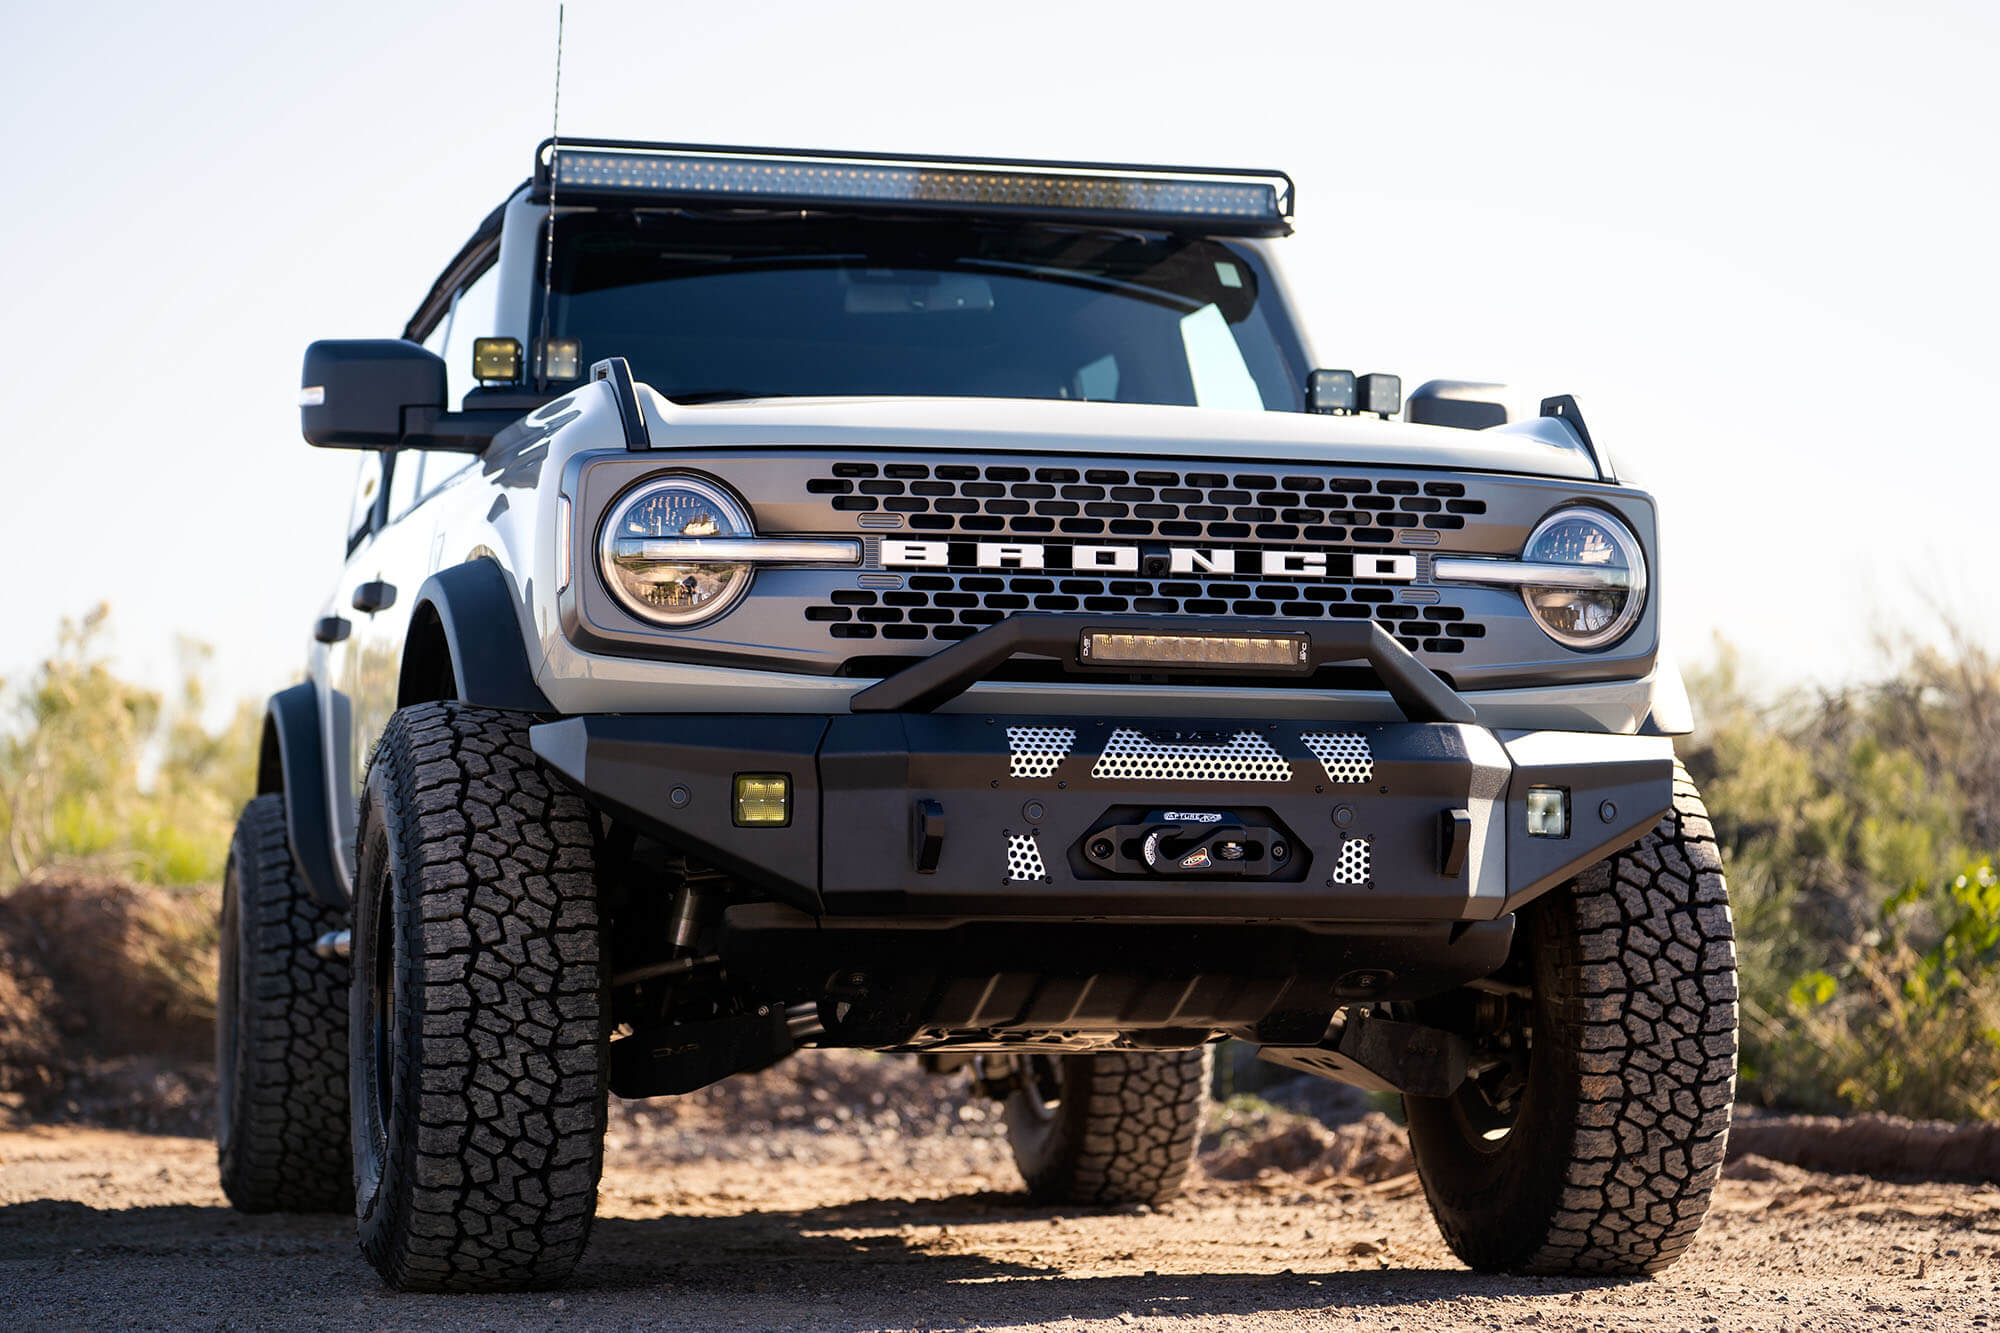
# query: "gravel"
845, 1192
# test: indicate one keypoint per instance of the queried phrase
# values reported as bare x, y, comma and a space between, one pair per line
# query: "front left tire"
478, 1015
280, 1031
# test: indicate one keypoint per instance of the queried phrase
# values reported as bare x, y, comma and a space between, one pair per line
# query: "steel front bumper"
963, 816
1212, 875
899, 811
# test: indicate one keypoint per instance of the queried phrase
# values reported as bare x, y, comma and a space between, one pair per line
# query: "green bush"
1870, 960
98, 772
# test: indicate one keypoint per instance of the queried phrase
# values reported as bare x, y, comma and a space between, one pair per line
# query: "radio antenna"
549, 236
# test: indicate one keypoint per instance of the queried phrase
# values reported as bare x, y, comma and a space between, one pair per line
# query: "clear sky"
1756, 241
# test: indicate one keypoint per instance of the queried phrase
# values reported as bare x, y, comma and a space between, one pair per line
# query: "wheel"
1120, 1127
280, 1031
1592, 1138
478, 1026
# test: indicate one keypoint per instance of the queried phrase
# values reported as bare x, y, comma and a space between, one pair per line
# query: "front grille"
1260, 507
1314, 541
949, 605
1252, 511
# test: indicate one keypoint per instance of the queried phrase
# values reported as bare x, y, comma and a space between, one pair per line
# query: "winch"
1191, 844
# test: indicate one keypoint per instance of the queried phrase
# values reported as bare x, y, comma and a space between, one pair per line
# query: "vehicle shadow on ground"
848, 1266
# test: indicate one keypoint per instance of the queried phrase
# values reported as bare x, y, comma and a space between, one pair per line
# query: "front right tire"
1118, 1127
478, 1012
1592, 1140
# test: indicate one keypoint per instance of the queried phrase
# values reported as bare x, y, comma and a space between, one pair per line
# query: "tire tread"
1130, 1134
500, 1113
288, 1149
1646, 1003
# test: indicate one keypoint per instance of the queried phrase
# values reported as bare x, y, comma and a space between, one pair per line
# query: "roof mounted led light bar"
1216, 201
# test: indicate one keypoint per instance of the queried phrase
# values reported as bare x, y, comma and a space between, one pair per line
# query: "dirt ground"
836, 1193
841, 1191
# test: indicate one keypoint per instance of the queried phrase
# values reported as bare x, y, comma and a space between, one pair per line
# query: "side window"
367, 489
406, 481
472, 315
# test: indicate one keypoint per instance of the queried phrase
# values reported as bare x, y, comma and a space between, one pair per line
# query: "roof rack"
1224, 201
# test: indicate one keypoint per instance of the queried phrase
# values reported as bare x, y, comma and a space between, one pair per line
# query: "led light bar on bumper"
1281, 652
1209, 200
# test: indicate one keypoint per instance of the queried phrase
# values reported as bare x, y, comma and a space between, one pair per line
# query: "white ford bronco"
797, 599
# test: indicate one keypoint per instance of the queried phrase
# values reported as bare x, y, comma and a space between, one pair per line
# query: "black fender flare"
482, 633
291, 762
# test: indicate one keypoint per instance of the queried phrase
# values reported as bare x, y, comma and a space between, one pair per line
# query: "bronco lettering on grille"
1285, 564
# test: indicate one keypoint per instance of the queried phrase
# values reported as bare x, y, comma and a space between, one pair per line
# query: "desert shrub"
1911, 1021
101, 773
1870, 969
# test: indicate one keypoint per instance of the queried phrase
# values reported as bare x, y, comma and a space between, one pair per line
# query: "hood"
1541, 447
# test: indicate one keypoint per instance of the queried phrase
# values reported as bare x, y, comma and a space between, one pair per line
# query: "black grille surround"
1239, 510
864, 621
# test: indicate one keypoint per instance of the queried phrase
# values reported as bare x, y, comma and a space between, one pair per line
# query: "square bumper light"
763, 800
1548, 812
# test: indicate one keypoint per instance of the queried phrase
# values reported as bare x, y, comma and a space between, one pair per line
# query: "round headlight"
1599, 603
651, 550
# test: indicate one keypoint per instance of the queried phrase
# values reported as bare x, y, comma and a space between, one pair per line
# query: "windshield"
707, 309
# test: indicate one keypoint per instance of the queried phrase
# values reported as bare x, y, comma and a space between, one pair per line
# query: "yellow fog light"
1548, 812
763, 798
562, 359
496, 360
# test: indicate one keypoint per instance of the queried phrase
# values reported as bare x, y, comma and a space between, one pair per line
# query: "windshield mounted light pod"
679, 550
1380, 394
560, 358
1331, 392
496, 360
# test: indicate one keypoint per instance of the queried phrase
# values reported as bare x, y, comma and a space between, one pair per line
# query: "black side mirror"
1465, 404
368, 393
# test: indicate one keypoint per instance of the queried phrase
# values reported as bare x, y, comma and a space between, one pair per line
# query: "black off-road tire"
280, 1031
1121, 1129
478, 1009
1617, 1141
